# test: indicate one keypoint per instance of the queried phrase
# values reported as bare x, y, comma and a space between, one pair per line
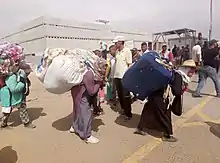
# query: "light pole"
210, 19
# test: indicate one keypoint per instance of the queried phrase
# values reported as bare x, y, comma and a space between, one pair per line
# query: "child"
111, 90
99, 97
13, 95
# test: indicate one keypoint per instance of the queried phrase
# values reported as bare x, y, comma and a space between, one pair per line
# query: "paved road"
198, 132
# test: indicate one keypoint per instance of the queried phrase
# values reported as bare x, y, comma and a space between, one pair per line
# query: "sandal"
140, 132
98, 113
170, 139
4, 125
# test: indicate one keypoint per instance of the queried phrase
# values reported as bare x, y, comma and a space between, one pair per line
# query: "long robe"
156, 114
82, 113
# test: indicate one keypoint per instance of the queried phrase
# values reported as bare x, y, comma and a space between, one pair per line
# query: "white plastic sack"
64, 72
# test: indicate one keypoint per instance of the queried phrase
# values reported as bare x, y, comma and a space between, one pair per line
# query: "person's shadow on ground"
34, 114
8, 155
64, 123
133, 123
214, 128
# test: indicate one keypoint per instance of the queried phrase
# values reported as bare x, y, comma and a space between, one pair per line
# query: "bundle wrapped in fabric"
12, 51
61, 69
150, 73
45, 61
86, 57
11, 55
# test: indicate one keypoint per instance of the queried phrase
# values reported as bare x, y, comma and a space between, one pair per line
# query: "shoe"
171, 139
218, 96
92, 140
4, 125
72, 130
98, 113
128, 118
121, 112
113, 103
195, 95
29, 125
140, 132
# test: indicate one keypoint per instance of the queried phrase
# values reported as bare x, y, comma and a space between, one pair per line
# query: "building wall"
130, 36
44, 32
78, 32
26, 35
36, 46
73, 43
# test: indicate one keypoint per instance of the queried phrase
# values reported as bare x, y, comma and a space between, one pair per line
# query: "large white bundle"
61, 69
46, 60
64, 72
51, 53
85, 56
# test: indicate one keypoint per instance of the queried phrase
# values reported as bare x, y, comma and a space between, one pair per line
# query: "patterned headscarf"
99, 68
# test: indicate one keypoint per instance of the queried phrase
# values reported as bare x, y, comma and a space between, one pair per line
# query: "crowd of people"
87, 97
108, 71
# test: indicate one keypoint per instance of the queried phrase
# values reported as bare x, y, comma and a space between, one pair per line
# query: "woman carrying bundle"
156, 113
82, 95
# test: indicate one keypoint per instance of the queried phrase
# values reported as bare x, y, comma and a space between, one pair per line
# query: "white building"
50, 32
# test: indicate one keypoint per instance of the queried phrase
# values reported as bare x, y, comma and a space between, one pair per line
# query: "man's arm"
216, 52
199, 56
128, 57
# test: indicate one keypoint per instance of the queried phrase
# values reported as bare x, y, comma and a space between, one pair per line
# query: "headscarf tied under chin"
99, 68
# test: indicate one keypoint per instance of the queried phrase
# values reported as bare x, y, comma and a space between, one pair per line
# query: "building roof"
74, 23
173, 32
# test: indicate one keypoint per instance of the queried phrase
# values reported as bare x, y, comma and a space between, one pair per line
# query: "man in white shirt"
197, 54
123, 61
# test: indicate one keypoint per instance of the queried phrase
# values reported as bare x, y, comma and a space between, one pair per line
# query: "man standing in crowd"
209, 69
166, 53
217, 59
200, 41
174, 51
150, 46
182, 54
123, 61
135, 55
144, 48
186, 53
197, 54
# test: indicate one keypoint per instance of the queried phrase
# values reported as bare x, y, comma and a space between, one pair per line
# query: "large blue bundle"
146, 76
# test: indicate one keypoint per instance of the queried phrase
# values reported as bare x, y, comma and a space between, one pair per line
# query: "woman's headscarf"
99, 68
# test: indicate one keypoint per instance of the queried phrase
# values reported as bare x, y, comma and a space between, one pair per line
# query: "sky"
143, 15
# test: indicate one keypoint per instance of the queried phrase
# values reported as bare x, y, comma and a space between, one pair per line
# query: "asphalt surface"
198, 131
